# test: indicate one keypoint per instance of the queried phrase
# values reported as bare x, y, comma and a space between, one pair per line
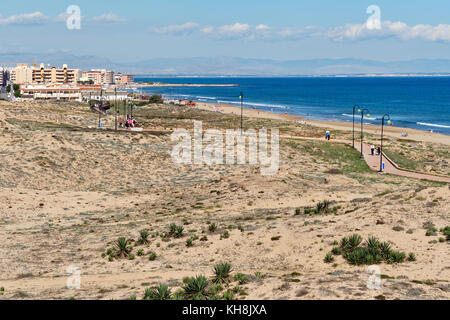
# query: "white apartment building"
99, 76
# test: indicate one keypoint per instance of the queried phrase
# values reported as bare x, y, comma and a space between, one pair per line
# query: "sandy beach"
69, 192
389, 131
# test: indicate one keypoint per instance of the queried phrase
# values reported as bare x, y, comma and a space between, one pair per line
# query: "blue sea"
413, 102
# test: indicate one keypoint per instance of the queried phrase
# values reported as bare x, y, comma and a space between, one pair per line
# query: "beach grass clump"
212, 227
241, 278
225, 235
328, 258
222, 272
411, 257
158, 293
143, 237
372, 251
228, 295
122, 249
336, 251
446, 232
323, 207
432, 231
195, 288
176, 231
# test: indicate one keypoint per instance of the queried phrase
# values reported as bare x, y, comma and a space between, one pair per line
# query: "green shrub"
140, 252
122, 247
152, 256
336, 251
354, 241
446, 232
322, 207
179, 232
222, 272
173, 229
225, 235
143, 237
158, 293
385, 249
328, 258
431, 232
212, 227
371, 252
372, 243
241, 278
195, 287
228, 295
411, 257
189, 242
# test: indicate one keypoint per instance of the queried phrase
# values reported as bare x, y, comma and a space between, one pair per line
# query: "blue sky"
136, 30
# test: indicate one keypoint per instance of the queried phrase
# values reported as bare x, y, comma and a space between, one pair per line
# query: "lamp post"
354, 110
362, 129
381, 145
116, 111
241, 97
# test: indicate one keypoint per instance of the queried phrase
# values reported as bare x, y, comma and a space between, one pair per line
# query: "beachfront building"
4, 76
58, 92
21, 74
123, 78
109, 95
71, 92
55, 76
99, 76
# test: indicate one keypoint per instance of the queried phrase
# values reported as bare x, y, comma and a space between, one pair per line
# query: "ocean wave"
254, 104
357, 116
432, 125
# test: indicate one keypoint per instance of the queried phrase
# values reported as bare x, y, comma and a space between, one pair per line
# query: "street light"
362, 128
381, 146
354, 110
116, 111
241, 97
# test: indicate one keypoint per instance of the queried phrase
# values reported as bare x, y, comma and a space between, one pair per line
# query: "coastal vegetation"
372, 251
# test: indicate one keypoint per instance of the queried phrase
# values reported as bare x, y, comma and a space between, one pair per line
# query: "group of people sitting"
130, 122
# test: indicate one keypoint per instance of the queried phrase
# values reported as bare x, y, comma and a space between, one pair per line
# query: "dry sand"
68, 192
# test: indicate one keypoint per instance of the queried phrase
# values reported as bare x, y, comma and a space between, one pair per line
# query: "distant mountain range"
229, 66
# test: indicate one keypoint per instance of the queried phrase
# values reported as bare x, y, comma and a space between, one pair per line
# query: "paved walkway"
374, 161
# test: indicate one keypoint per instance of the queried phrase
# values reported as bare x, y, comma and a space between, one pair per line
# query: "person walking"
372, 150
328, 135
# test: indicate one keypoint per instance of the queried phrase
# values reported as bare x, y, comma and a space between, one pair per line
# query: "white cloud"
207, 30
25, 19
350, 32
108, 18
237, 28
262, 27
180, 29
399, 30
